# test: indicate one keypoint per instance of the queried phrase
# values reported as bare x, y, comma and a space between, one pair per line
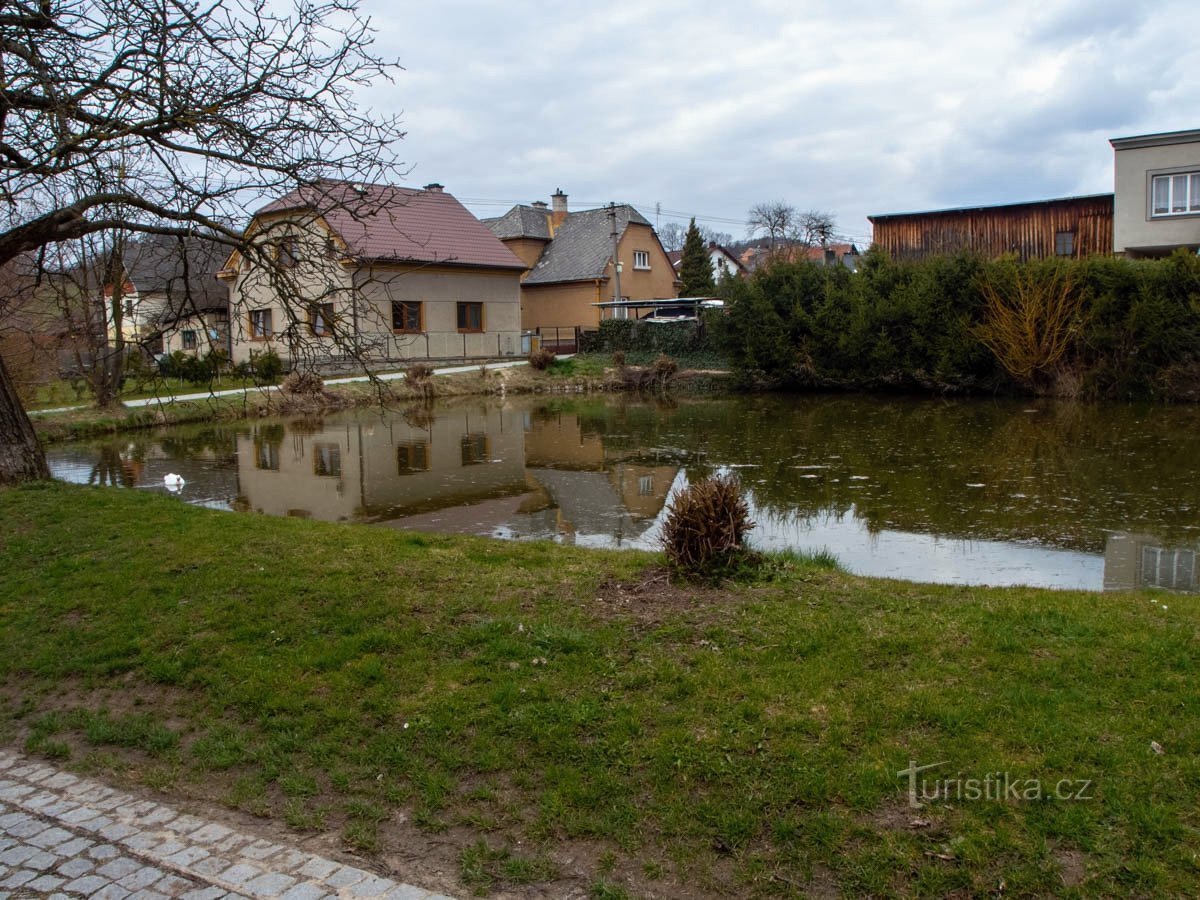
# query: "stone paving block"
111, 892
117, 831
77, 867
172, 885
240, 874
261, 850
372, 886
306, 891
103, 851
51, 837
208, 893
120, 868
60, 780
17, 855
73, 847
271, 885
142, 878
41, 860
142, 841
345, 876
210, 833
79, 815
88, 885
319, 868
186, 857
11, 819
18, 878
46, 884
26, 827
151, 895
157, 815
210, 866
185, 824
15, 792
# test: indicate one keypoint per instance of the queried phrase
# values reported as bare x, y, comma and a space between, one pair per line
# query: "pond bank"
568, 376
535, 717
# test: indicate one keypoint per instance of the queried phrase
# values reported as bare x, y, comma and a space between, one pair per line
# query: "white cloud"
878, 107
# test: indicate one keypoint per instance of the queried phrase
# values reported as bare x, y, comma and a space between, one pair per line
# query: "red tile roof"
383, 223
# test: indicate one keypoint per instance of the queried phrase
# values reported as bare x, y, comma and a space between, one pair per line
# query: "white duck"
173, 482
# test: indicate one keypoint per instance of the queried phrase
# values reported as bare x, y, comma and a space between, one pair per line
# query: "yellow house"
569, 261
373, 273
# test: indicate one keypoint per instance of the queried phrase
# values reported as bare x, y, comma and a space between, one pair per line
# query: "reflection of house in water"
381, 468
597, 491
1139, 560
209, 474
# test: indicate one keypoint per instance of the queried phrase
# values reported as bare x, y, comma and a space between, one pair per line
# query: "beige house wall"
527, 250
362, 300
654, 283
1135, 230
562, 305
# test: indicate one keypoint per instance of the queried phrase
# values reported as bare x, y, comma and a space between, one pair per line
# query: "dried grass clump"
542, 359
705, 531
419, 377
302, 384
664, 368
618, 358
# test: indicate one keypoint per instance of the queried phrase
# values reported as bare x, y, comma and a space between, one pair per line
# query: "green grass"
742, 740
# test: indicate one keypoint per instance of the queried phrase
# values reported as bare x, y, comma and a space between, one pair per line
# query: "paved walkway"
234, 392
63, 836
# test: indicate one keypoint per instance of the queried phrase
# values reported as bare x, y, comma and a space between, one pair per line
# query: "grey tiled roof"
582, 244
521, 222
182, 269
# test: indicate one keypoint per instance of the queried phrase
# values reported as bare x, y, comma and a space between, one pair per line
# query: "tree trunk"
21, 456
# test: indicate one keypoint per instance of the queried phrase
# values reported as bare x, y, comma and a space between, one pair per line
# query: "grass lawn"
537, 715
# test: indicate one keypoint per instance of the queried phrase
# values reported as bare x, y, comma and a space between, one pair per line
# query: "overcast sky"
862, 108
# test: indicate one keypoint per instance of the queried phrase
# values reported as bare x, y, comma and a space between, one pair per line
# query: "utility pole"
612, 216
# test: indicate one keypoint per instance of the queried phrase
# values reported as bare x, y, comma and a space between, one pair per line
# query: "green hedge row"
1134, 330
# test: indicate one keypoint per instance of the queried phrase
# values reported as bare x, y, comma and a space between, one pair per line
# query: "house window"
475, 449
406, 317
260, 324
189, 339
411, 457
645, 485
641, 259
1064, 243
470, 317
266, 455
287, 254
321, 319
1175, 195
327, 460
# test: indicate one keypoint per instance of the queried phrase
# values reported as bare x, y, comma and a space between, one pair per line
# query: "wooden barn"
1068, 226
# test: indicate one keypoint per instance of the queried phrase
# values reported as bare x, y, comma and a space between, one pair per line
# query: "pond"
959, 491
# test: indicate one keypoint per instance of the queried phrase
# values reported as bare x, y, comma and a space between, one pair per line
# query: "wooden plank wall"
1027, 230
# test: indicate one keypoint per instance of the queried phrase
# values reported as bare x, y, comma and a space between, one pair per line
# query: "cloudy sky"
862, 108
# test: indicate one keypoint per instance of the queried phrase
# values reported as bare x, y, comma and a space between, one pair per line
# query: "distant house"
830, 255
1157, 189
724, 263
569, 260
381, 273
1067, 226
172, 299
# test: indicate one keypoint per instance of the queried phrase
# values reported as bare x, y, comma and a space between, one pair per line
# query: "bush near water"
1096, 328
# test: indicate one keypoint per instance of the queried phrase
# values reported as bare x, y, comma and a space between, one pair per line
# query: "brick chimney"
559, 201
435, 188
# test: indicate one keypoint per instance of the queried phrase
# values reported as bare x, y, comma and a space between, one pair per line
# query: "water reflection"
966, 492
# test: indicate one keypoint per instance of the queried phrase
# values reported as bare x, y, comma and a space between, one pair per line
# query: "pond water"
962, 491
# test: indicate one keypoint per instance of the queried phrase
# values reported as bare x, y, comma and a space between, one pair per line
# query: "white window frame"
1170, 183
641, 260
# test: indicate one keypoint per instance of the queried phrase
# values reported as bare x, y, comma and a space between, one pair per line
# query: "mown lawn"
530, 704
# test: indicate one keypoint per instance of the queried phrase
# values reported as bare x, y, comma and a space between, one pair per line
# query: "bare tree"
672, 235
171, 117
814, 228
774, 221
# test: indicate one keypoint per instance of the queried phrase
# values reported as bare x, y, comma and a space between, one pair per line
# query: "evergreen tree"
695, 267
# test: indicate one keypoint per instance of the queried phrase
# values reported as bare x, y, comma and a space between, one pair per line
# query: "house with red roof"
373, 272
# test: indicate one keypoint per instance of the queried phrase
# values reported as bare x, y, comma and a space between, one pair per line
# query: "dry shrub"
302, 384
419, 377
664, 368
542, 359
1031, 324
704, 534
618, 358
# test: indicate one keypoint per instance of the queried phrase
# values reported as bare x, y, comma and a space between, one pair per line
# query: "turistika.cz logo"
1000, 787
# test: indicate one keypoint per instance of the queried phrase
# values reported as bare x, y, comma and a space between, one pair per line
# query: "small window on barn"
641, 259
1064, 243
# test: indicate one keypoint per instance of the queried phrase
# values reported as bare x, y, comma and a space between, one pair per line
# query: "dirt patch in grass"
656, 597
